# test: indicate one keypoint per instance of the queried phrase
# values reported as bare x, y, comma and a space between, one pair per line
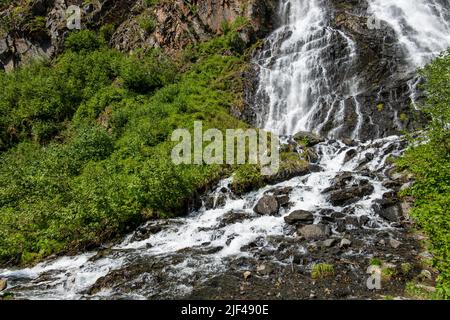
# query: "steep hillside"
38, 28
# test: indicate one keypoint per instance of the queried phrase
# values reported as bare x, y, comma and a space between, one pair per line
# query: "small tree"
437, 103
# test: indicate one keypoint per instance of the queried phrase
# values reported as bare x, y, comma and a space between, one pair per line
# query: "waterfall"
422, 26
299, 72
311, 71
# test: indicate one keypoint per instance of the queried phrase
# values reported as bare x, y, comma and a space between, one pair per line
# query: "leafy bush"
85, 143
247, 178
322, 270
83, 40
429, 160
146, 73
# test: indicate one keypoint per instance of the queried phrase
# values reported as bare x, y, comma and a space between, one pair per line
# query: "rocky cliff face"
38, 27
340, 76
387, 78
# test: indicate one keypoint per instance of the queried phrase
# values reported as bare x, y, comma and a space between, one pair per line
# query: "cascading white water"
203, 232
304, 75
296, 74
422, 26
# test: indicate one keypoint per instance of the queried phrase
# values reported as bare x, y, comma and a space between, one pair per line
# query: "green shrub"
83, 40
322, 270
85, 143
147, 23
146, 73
428, 158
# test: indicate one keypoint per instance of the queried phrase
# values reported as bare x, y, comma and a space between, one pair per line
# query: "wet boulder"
280, 191
350, 155
267, 205
390, 184
389, 207
314, 232
233, 217
330, 214
282, 195
341, 226
214, 201
342, 180
284, 201
299, 217
391, 213
145, 231
369, 156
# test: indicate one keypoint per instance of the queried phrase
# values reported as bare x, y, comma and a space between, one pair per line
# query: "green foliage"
145, 73
106, 31
429, 160
85, 142
83, 40
246, 178
376, 262
417, 292
388, 272
322, 270
38, 99
151, 3
147, 23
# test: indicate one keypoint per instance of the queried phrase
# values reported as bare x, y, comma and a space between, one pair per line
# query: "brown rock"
314, 232
267, 205
299, 217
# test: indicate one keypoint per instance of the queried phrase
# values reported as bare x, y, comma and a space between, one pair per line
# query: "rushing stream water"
172, 259
204, 243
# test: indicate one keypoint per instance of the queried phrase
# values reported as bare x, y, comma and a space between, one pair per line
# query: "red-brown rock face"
174, 24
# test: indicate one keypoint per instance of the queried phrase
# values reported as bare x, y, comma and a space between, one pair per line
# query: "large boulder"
351, 195
350, 154
314, 232
267, 205
299, 217
391, 213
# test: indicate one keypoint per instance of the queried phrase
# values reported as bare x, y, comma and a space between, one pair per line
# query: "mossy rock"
308, 139
248, 177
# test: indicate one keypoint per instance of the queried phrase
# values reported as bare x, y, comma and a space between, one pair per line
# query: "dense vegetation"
429, 160
85, 140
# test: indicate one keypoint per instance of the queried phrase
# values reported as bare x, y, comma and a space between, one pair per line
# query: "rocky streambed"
311, 237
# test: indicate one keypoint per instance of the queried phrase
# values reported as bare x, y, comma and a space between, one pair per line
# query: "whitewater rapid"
205, 242
308, 68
